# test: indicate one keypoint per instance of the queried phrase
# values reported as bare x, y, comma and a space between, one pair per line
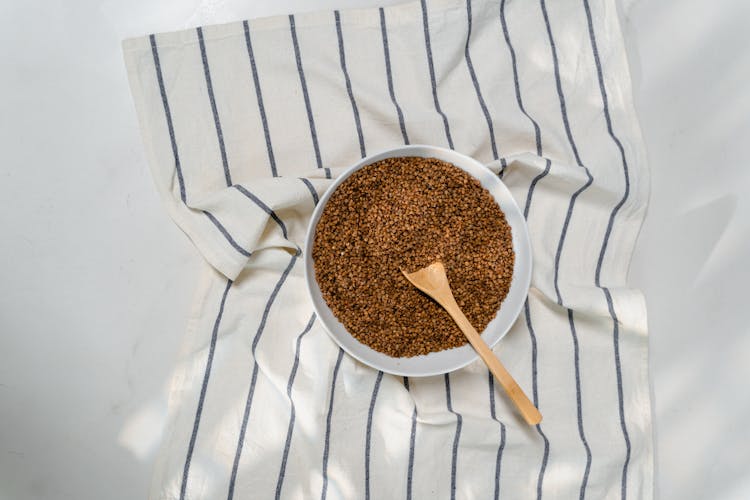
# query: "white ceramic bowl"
443, 361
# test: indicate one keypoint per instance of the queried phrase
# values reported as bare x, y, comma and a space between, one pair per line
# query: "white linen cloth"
245, 124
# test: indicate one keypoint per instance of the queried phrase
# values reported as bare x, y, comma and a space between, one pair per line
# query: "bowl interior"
443, 361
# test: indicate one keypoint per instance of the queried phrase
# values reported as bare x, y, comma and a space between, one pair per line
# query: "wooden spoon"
433, 281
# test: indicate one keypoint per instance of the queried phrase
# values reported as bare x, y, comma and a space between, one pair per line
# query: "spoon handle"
516, 394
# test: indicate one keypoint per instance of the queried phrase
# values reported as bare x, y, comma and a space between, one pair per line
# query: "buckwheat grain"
407, 213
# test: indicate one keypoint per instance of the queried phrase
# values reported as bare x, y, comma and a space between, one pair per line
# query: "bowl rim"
459, 357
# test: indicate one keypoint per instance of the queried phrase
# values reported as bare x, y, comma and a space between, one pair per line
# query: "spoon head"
432, 280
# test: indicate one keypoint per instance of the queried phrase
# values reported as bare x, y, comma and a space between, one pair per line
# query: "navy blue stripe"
608, 118
328, 172
290, 428
459, 424
564, 112
498, 462
168, 115
214, 110
342, 58
251, 390
564, 233
579, 407
519, 100
532, 186
204, 387
226, 234
428, 47
474, 80
311, 188
562, 238
305, 94
532, 334
412, 442
389, 75
543, 468
368, 435
620, 398
503, 165
259, 97
558, 253
327, 444
263, 206
501, 447
545, 456
558, 83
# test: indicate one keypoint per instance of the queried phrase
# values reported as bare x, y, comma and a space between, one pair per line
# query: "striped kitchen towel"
245, 125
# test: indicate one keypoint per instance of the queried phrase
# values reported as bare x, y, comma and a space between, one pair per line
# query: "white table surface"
94, 286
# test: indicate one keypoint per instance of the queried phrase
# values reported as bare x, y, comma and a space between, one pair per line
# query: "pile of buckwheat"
407, 213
